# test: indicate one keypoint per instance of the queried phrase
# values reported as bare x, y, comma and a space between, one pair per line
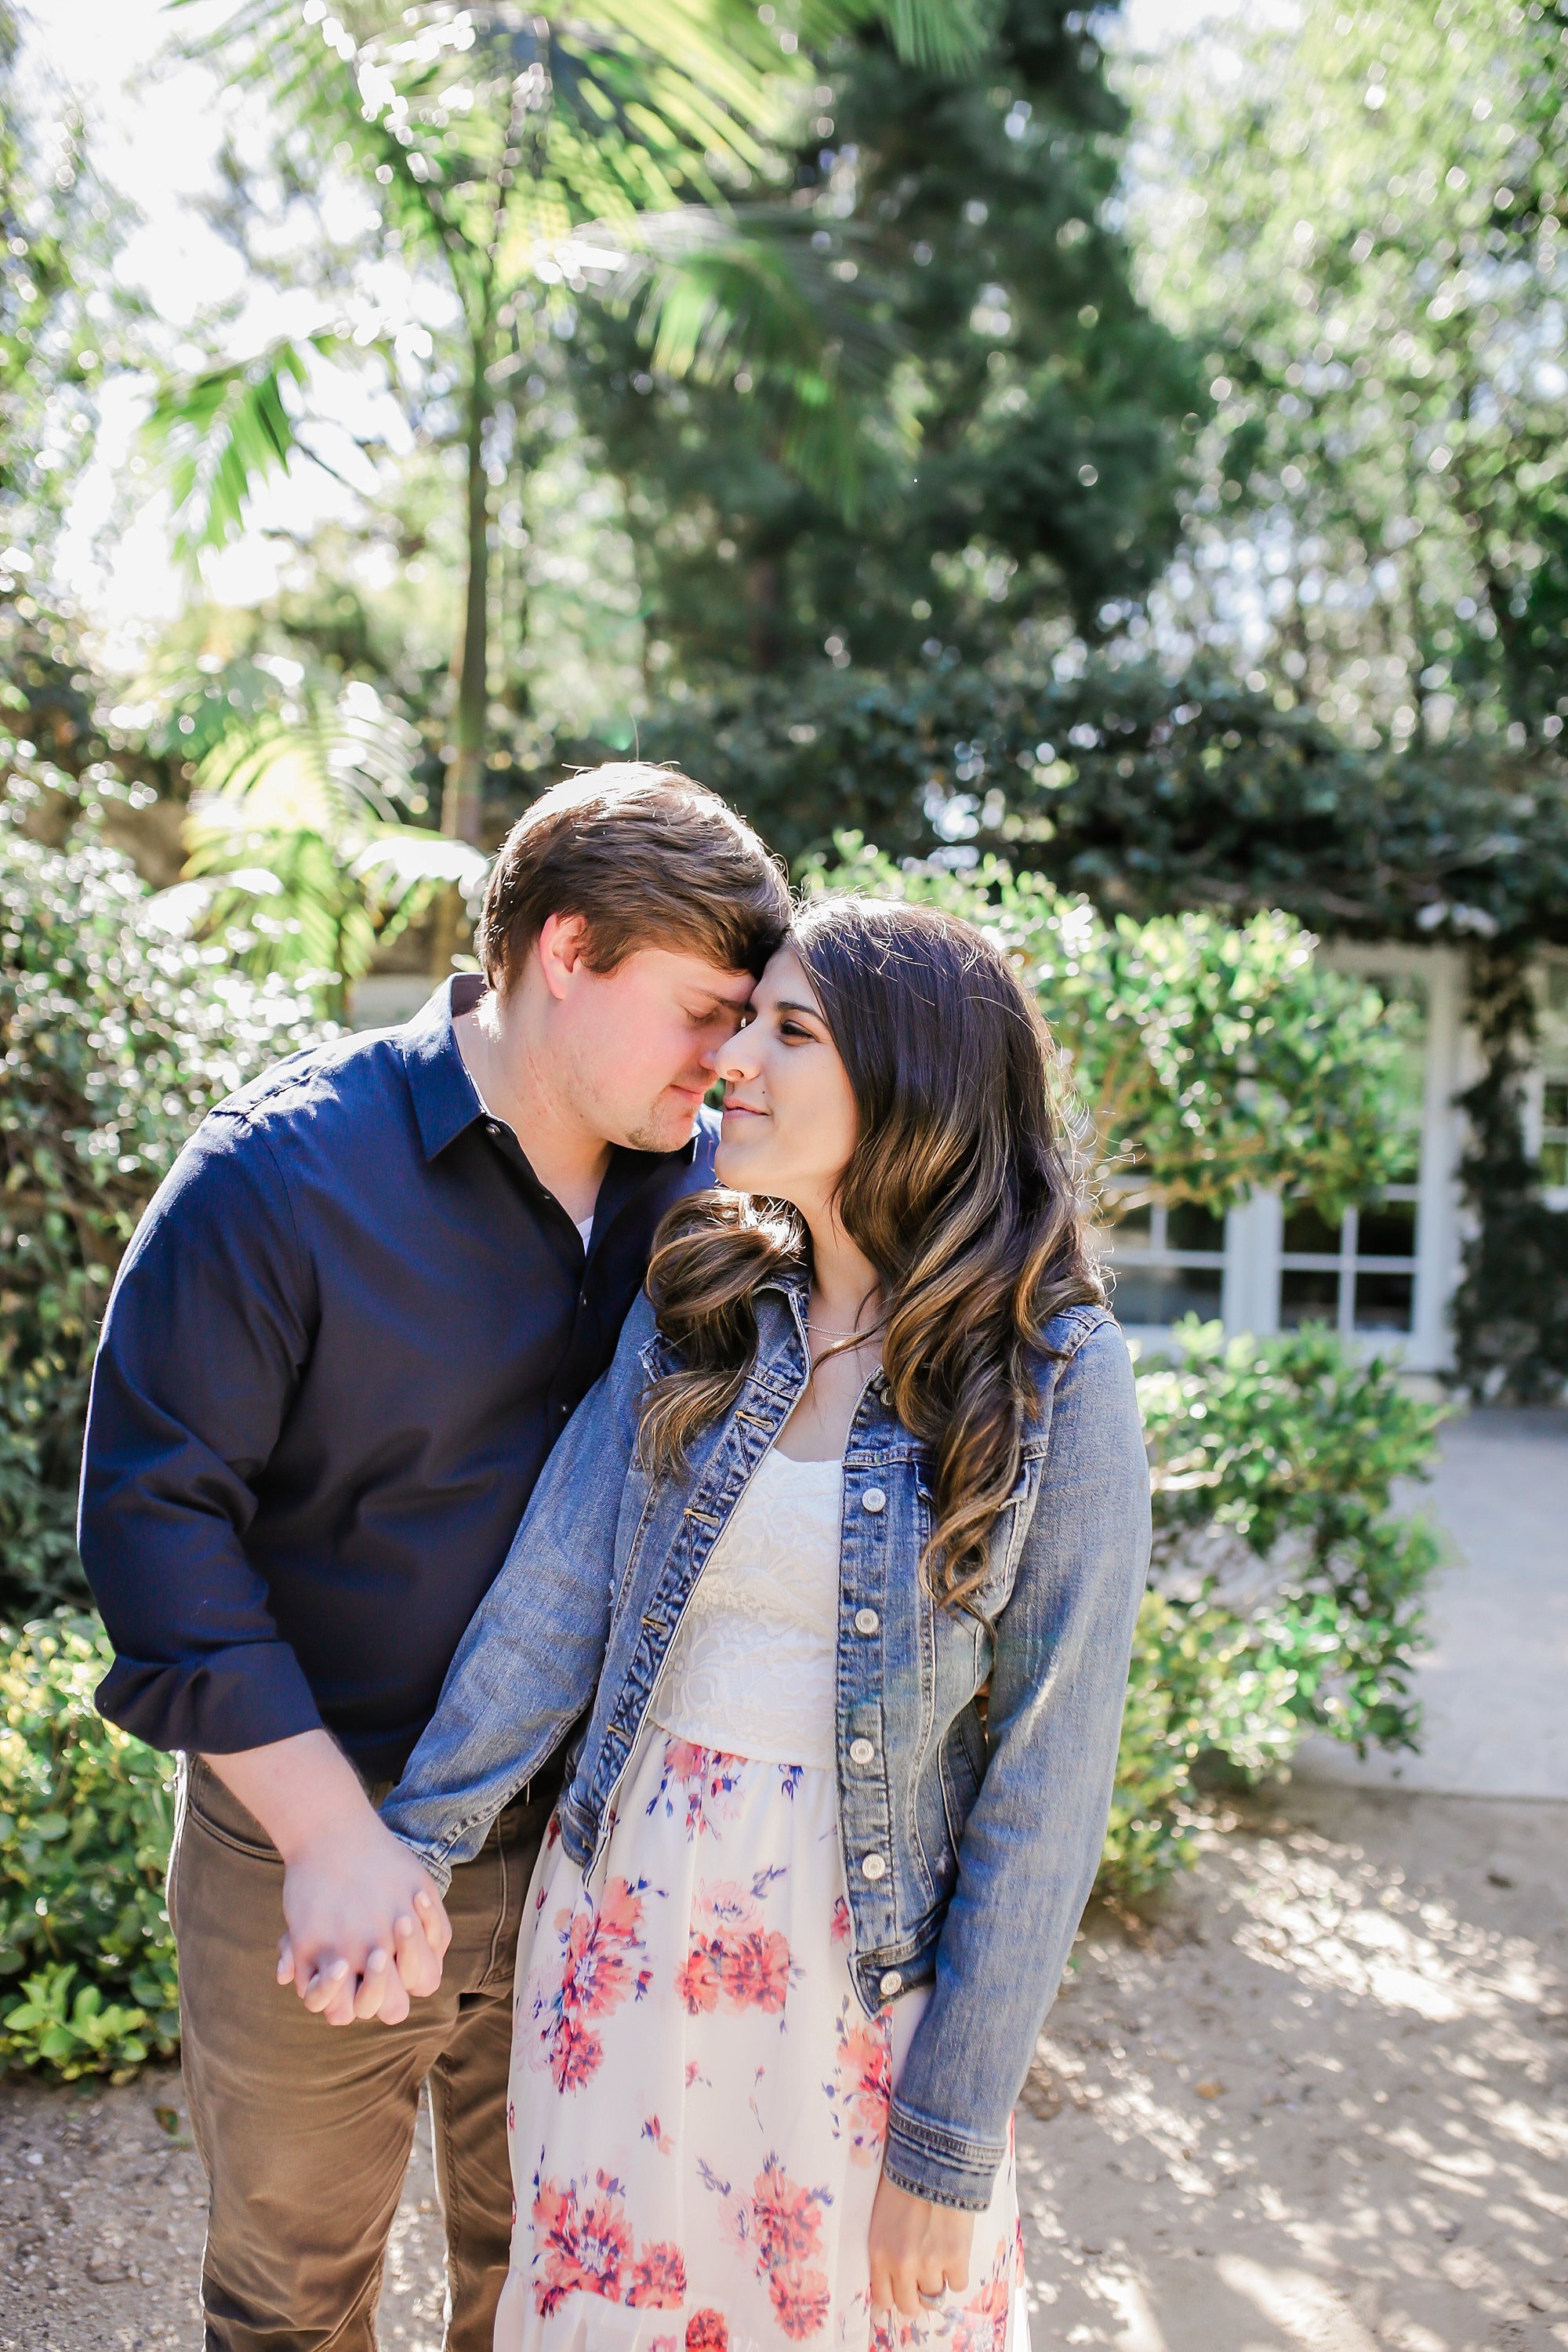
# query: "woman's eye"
794, 1029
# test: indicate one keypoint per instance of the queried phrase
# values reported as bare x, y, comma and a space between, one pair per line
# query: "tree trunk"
764, 601
462, 797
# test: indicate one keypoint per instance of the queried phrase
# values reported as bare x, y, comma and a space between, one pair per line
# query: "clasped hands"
366, 1931
366, 1934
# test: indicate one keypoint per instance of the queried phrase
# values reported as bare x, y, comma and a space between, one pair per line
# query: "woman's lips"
742, 1110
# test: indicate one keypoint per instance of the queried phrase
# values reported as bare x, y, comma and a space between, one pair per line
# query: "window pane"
1189, 1226
1554, 1103
1386, 1229
1384, 1302
1308, 1296
1554, 1164
1308, 1235
1411, 1075
1163, 1294
1133, 1229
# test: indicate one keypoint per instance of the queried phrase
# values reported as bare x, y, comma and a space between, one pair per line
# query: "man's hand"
356, 1904
365, 1926
916, 2247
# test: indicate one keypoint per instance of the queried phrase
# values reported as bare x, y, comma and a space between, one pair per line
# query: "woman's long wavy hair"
960, 1190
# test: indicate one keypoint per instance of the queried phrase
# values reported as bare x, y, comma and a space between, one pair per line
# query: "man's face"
638, 1044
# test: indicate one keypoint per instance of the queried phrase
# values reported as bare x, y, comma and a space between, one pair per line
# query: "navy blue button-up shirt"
342, 1342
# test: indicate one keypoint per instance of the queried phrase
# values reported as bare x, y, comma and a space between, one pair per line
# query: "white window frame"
1254, 1245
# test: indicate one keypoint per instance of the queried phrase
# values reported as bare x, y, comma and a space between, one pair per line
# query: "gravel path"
1318, 2104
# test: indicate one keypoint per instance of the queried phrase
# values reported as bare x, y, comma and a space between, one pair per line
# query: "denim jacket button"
874, 1866
862, 1751
873, 1500
890, 1981
865, 1620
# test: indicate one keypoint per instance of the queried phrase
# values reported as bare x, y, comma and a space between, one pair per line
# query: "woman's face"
789, 1114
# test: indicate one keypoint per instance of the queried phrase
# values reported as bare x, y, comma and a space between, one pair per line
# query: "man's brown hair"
648, 859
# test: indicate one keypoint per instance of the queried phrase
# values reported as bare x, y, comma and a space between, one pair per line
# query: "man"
345, 1339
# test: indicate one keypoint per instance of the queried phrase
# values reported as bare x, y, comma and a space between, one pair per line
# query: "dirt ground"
1319, 2103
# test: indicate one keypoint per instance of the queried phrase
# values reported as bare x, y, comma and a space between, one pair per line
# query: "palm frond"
402, 858
767, 292
221, 433
339, 766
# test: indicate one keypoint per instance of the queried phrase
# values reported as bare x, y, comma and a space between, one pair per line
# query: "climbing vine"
1510, 1311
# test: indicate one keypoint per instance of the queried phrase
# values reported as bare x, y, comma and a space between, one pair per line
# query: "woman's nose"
736, 1058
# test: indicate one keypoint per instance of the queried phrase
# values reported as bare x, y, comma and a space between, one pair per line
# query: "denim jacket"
969, 1846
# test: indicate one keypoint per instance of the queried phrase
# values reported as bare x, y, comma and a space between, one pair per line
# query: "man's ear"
560, 948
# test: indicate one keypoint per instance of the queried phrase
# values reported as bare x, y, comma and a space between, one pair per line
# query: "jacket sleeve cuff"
430, 1859
928, 2160
215, 1703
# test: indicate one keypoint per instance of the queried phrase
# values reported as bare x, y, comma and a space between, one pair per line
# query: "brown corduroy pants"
306, 2129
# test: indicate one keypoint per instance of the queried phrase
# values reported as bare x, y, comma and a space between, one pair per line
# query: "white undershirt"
585, 1225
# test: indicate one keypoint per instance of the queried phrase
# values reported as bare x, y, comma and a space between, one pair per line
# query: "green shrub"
1285, 1595
117, 1036
86, 1960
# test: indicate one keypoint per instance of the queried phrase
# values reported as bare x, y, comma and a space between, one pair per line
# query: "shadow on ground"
1322, 2101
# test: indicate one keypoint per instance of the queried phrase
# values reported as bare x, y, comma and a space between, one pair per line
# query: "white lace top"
751, 1670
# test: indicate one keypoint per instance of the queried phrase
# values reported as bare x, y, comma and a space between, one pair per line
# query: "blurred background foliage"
1103, 476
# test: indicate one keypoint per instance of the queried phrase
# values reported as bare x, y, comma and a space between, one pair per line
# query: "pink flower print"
788, 2223
865, 2082
653, 2131
981, 2324
724, 1908
599, 1945
707, 2331
841, 1929
706, 1778
756, 1971
658, 2277
575, 2052
698, 1983
732, 1957
586, 2250
800, 2298
661, 2344
685, 1761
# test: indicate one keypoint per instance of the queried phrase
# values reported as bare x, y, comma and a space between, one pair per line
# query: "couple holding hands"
643, 1601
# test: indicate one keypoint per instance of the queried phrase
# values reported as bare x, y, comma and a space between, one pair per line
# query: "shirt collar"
444, 1098
447, 1101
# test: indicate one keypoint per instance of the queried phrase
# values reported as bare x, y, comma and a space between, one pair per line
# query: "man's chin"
666, 1129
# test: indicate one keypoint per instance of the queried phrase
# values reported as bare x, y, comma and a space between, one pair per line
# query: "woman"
849, 1542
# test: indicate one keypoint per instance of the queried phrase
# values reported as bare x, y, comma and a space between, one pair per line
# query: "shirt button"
564, 1410
873, 1500
890, 1981
865, 1620
874, 1866
862, 1751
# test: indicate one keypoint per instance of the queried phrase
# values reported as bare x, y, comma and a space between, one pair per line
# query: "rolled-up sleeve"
207, 1331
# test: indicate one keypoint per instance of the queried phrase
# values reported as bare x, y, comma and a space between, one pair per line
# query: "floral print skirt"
699, 2100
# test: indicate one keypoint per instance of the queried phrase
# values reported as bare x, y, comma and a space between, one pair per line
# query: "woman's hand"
915, 2248
365, 1926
